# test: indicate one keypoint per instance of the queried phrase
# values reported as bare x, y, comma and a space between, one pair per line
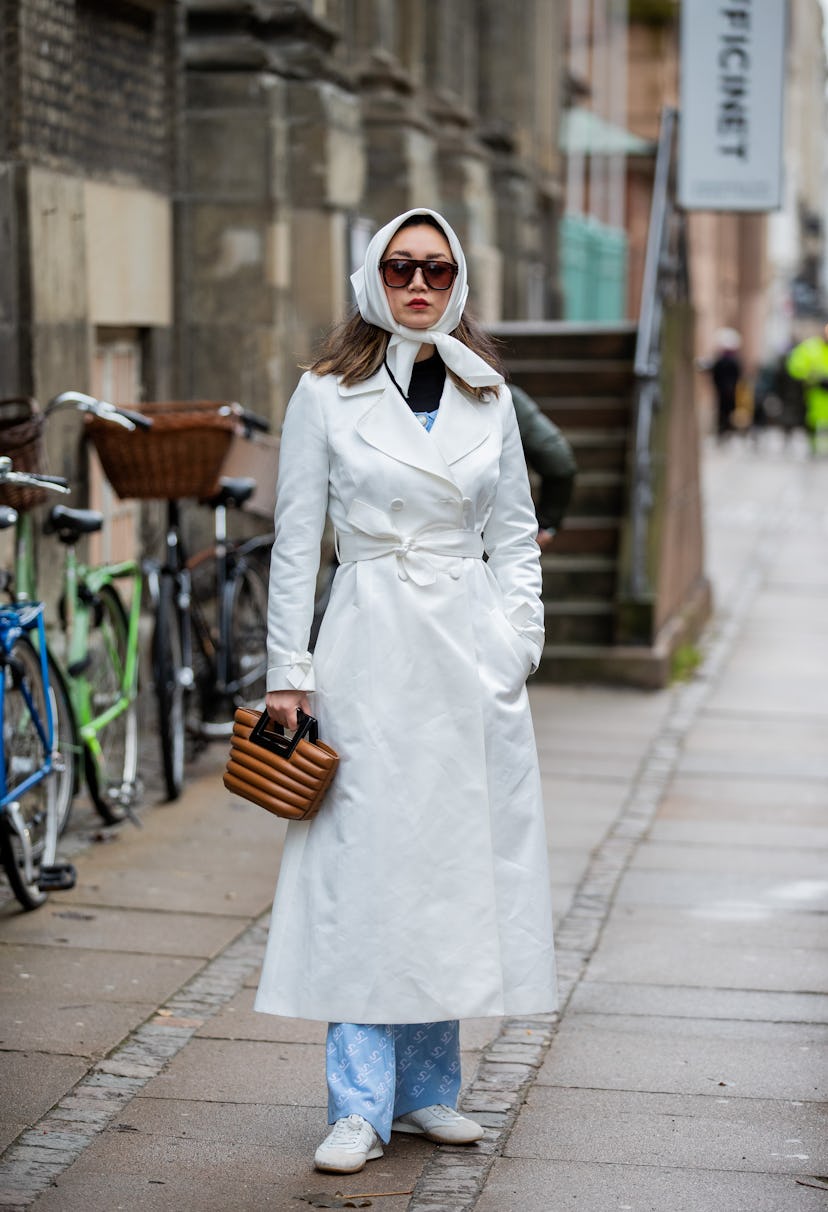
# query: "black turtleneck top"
427, 380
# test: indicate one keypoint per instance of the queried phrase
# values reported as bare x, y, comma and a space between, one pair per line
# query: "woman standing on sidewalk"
419, 895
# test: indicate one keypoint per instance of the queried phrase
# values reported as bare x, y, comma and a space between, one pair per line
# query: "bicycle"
209, 643
28, 760
96, 701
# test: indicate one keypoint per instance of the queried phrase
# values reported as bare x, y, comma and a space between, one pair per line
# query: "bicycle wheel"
112, 764
246, 637
66, 758
167, 663
204, 627
28, 837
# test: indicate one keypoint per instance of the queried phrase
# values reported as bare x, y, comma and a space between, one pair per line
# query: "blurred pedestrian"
808, 362
420, 894
726, 373
550, 456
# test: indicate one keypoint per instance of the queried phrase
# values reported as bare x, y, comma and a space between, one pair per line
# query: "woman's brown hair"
354, 350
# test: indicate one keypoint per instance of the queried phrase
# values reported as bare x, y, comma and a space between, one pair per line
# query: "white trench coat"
420, 892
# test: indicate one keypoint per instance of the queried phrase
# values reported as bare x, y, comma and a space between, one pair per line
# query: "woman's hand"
281, 706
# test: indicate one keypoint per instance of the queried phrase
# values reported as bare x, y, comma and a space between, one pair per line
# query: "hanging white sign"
732, 89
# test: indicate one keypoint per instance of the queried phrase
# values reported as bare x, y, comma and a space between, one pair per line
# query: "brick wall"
91, 86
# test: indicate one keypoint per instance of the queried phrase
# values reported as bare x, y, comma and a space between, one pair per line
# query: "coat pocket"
515, 649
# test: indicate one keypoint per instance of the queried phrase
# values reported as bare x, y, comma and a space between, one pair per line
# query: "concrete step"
598, 494
648, 668
573, 377
557, 339
586, 621
599, 449
585, 413
578, 576
588, 536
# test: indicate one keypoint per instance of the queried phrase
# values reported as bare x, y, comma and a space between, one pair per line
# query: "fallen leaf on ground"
322, 1200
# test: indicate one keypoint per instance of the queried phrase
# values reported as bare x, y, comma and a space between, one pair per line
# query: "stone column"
449, 92
517, 61
272, 165
386, 42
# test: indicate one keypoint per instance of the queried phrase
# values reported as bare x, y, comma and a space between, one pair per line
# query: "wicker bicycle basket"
21, 438
180, 456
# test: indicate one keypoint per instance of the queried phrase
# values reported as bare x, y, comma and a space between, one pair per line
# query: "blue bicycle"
28, 787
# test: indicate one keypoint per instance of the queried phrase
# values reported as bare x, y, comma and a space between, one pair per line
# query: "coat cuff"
522, 618
291, 671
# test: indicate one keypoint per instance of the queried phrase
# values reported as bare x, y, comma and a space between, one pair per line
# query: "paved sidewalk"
688, 833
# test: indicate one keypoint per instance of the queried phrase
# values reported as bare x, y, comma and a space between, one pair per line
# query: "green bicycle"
94, 651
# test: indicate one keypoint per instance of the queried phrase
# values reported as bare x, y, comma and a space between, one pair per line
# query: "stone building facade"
306, 125
186, 186
90, 94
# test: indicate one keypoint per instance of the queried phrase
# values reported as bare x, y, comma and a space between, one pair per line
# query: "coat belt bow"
414, 553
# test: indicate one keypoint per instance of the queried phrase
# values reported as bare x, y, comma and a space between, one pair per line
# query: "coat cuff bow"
291, 671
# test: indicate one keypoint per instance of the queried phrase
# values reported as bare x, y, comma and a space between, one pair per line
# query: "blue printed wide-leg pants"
384, 1071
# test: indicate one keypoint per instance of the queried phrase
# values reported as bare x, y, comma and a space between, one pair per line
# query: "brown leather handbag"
286, 775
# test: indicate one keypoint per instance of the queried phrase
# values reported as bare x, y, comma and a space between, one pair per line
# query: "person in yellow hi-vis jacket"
808, 362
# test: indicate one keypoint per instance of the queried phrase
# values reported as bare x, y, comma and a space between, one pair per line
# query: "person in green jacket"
550, 456
808, 362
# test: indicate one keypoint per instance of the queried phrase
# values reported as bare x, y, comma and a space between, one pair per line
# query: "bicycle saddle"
70, 524
233, 490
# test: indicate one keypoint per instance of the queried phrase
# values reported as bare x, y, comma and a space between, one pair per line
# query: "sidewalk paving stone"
89, 1028
722, 733
756, 1060
746, 800
747, 924
529, 1185
673, 1001
38, 1080
660, 1129
251, 1155
728, 835
702, 966
745, 859
244, 1071
71, 974
699, 888
137, 931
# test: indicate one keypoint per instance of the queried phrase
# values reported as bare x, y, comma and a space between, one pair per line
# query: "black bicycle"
209, 643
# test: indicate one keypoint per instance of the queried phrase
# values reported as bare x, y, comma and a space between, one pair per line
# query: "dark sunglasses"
398, 272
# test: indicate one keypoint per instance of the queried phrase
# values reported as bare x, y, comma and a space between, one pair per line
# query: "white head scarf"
405, 342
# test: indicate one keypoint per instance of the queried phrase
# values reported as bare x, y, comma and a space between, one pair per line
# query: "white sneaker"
347, 1148
439, 1123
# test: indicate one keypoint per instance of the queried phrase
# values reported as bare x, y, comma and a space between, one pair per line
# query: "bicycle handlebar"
80, 401
139, 421
29, 478
252, 420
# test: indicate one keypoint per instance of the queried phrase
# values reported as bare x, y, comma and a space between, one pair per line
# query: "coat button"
397, 503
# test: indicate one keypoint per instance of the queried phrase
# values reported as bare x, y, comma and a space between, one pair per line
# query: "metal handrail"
659, 270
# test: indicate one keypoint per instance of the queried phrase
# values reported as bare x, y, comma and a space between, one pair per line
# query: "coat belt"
414, 553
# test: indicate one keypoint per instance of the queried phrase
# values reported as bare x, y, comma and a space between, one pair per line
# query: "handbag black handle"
270, 735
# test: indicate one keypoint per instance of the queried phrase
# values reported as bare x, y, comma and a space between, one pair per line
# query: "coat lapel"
387, 424
390, 426
462, 424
